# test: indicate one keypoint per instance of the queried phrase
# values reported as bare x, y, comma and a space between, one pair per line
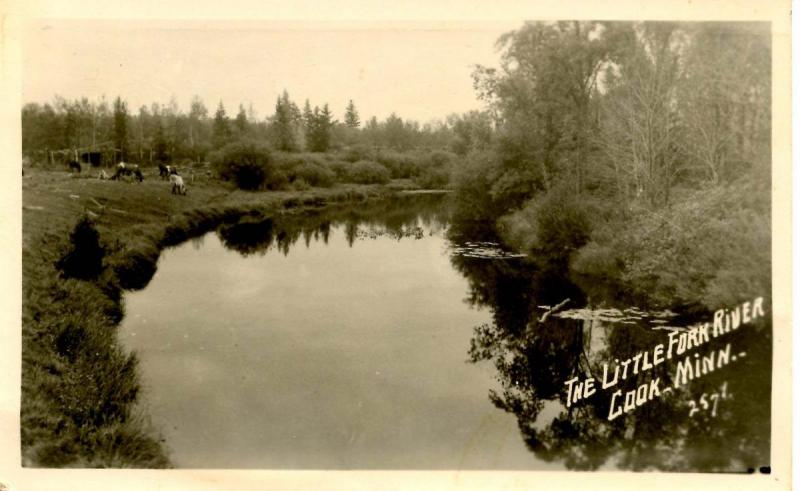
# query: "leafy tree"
395, 133
197, 131
724, 98
121, 127
639, 129
160, 146
541, 97
471, 131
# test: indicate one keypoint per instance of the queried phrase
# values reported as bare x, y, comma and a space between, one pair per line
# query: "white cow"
178, 187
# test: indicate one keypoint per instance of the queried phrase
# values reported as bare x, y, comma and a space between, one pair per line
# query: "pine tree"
286, 115
351, 116
241, 121
320, 129
222, 131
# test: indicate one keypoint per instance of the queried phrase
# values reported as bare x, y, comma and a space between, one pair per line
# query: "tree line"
162, 132
638, 151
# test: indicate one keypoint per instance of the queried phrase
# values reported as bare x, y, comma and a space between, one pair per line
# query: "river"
386, 336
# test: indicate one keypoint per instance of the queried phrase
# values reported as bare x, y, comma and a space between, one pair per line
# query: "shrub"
314, 174
355, 153
300, 184
367, 172
84, 260
439, 158
553, 225
313, 168
401, 165
433, 178
246, 163
711, 249
597, 260
340, 169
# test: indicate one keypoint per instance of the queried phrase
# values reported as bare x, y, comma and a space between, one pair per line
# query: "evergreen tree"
222, 131
241, 121
351, 116
308, 122
320, 129
283, 122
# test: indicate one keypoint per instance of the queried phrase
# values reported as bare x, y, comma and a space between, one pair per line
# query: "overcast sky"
419, 71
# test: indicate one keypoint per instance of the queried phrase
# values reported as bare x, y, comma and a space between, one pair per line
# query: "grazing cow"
74, 166
163, 171
178, 187
137, 174
131, 171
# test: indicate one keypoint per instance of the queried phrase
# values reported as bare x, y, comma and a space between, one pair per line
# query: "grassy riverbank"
79, 386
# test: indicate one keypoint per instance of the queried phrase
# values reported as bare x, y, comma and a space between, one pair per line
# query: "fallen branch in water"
547, 314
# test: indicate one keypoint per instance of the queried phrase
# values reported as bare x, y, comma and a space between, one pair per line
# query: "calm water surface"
387, 337
337, 351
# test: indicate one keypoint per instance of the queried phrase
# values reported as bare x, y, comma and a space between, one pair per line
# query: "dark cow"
163, 171
127, 170
74, 166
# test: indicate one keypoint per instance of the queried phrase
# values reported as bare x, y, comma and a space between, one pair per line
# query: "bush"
439, 158
713, 249
553, 225
433, 178
355, 153
401, 165
313, 168
246, 163
367, 172
340, 169
85, 258
313, 174
597, 261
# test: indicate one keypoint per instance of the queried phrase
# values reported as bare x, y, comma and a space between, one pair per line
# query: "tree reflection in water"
534, 358
535, 355
399, 218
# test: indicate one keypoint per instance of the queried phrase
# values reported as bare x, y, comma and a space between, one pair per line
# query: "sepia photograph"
541, 244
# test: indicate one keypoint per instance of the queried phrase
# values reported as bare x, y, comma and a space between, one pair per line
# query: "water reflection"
536, 350
536, 329
406, 217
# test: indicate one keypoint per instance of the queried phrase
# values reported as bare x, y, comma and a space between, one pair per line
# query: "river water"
388, 336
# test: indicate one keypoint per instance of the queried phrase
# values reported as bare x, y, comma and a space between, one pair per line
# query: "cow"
178, 187
74, 166
126, 170
163, 171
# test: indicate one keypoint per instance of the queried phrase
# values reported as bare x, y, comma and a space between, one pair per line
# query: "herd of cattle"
131, 172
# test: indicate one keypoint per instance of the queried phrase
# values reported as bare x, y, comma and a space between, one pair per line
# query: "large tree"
639, 130
541, 98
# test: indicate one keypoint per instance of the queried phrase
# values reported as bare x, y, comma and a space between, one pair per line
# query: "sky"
421, 71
